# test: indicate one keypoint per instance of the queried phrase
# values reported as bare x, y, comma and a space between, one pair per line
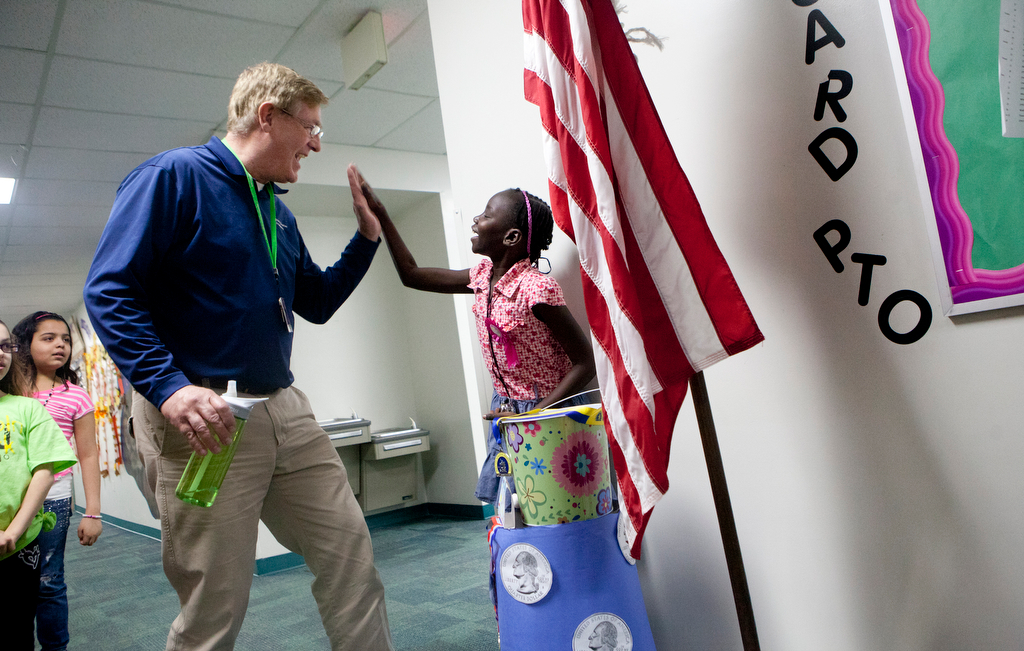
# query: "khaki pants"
287, 473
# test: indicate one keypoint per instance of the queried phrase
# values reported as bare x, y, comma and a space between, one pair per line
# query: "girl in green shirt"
32, 448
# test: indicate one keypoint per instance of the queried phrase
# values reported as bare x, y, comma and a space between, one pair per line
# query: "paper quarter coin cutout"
602, 632
525, 573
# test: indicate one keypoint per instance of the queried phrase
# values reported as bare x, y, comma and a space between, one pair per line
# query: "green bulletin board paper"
964, 55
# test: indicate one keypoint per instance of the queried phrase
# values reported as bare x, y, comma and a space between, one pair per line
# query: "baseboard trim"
128, 525
279, 563
467, 511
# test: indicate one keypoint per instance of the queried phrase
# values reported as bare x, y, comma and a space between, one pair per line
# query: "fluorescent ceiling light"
6, 190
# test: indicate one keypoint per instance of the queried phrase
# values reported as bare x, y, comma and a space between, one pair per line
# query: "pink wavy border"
956, 233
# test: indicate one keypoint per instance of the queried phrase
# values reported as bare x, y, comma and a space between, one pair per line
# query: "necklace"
53, 388
512, 359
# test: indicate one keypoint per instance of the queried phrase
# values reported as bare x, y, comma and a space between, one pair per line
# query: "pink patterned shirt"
66, 403
541, 361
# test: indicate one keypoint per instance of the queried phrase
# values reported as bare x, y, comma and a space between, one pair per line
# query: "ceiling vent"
363, 50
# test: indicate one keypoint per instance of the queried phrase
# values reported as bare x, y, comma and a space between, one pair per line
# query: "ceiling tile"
316, 52
82, 164
410, 66
32, 216
16, 122
49, 280
330, 88
66, 193
22, 74
69, 236
423, 132
130, 78
396, 15
109, 132
117, 88
32, 259
28, 24
12, 158
361, 117
291, 13
20, 301
171, 38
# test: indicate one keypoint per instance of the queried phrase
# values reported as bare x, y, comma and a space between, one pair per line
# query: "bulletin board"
964, 107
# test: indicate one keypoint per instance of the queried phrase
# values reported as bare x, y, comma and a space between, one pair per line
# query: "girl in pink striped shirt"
45, 347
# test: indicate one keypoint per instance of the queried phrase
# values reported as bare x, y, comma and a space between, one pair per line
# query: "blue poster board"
568, 587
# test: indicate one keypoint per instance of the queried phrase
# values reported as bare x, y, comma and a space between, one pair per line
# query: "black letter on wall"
843, 136
832, 252
923, 323
845, 80
868, 261
832, 35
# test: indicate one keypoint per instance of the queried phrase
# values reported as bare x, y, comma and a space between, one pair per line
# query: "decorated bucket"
560, 463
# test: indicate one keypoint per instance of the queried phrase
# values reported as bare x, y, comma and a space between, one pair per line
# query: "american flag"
661, 300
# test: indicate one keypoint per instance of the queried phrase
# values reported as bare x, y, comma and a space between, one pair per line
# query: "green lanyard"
272, 241
264, 227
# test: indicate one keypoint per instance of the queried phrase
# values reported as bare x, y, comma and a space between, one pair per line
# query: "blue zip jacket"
182, 287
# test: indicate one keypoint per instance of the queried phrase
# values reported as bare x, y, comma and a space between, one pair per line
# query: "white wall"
391, 353
877, 487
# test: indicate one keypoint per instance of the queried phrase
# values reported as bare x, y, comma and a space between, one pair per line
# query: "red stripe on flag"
560, 210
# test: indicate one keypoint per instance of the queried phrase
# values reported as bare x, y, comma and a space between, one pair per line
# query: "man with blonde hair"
194, 283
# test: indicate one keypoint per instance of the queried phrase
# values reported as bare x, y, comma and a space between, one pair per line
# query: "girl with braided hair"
534, 349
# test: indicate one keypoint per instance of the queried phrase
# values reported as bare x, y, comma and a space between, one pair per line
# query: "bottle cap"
240, 407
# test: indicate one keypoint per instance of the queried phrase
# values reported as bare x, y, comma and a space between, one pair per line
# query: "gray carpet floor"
435, 573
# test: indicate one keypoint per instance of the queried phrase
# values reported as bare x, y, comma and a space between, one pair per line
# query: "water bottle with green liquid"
204, 474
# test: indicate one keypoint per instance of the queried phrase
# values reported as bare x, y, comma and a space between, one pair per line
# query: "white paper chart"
1011, 67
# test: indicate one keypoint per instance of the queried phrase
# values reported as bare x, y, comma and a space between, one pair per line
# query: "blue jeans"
52, 604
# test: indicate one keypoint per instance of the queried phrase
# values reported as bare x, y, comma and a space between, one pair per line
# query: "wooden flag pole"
726, 522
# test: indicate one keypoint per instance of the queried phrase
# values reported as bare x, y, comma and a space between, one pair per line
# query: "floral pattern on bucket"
604, 501
514, 438
530, 497
578, 463
561, 464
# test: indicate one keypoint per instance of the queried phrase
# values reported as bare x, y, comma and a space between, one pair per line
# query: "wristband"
92, 517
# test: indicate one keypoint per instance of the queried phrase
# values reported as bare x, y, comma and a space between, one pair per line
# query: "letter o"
890, 303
